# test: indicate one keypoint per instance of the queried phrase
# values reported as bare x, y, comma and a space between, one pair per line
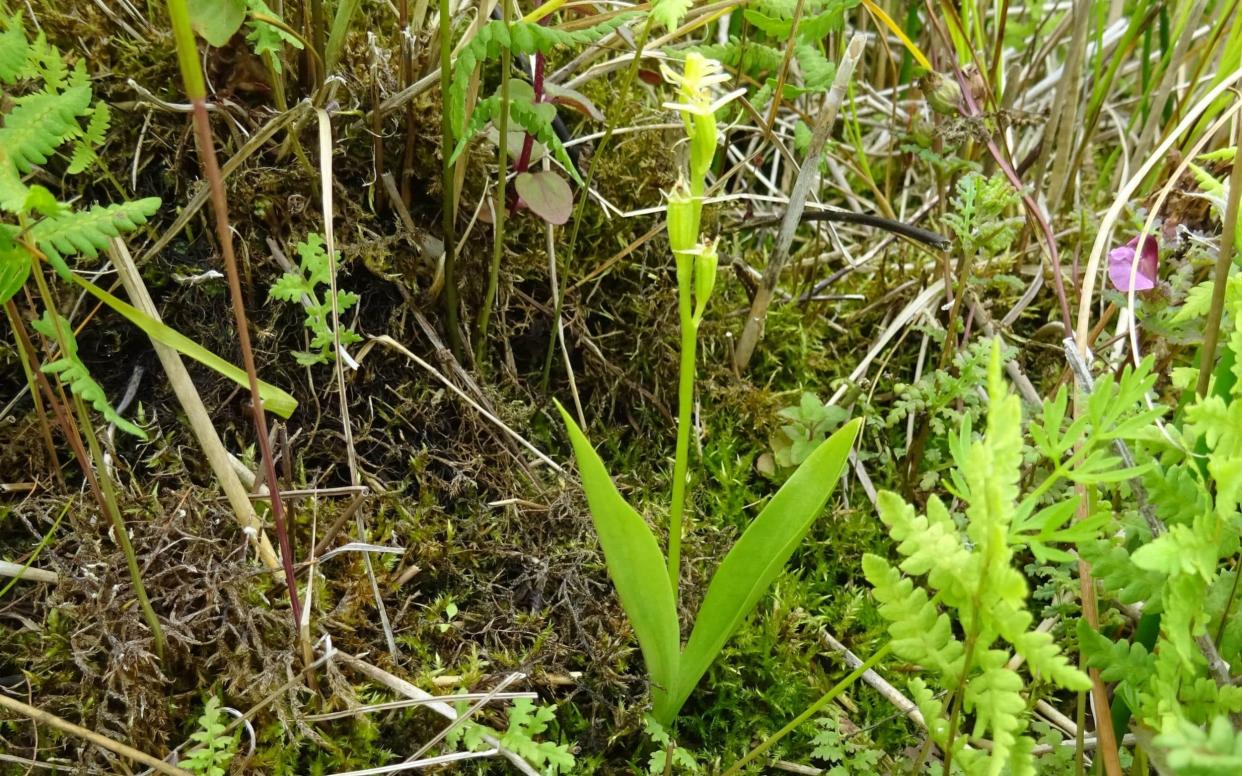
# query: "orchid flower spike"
698, 109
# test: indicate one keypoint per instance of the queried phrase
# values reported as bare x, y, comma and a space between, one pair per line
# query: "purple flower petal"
1120, 261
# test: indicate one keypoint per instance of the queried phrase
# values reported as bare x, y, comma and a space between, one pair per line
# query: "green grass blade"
274, 399
635, 564
757, 558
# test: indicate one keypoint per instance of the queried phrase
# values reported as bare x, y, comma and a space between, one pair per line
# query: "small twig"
9, 569
879, 683
916, 233
195, 411
414, 765
408, 702
337, 525
439, 706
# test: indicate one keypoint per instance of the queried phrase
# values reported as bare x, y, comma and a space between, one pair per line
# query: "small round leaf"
217, 20
547, 194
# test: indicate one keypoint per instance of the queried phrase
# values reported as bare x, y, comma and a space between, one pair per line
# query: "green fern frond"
72, 371
669, 13
40, 122
309, 286
215, 747
12, 190
45, 63
995, 697
920, 633
535, 119
14, 49
931, 544
1184, 619
522, 38
1118, 661
1045, 658
818, 71
1022, 757
932, 710
1115, 571
267, 39
91, 138
748, 57
88, 231
812, 26
1214, 750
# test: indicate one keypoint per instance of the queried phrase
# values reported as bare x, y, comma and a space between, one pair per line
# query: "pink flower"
1120, 261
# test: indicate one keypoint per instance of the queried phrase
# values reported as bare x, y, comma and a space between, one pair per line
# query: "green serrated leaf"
75, 374
40, 122
14, 49
88, 231
15, 265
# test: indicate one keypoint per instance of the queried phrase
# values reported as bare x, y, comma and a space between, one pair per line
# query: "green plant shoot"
305, 286
646, 582
971, 573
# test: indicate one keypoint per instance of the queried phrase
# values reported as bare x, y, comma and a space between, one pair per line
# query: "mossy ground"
503, 541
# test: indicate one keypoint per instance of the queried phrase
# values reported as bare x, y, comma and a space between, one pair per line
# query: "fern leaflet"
88, 231
522, 38
40, 122
72, 371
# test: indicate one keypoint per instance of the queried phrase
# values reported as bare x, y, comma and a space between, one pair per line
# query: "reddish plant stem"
219, 204
528, 143
68, 427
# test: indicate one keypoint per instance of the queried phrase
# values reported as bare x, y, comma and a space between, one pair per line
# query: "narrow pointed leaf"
273, 398
757, 558
635, 564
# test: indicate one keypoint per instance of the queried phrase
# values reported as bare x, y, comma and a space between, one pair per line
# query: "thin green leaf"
14, 267
757, 558
635, 564
273, 398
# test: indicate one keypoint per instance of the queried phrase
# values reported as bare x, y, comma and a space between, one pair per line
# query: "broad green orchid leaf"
757, 558
635, 564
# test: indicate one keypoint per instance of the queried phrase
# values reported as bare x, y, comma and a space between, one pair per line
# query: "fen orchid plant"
646, 581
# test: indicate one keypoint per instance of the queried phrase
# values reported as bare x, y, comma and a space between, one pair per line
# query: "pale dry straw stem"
351, 456
907, 314
195, 411
65, 726
429, 762
440, 706
27, 573
879, 683
1104, 234
753, 329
